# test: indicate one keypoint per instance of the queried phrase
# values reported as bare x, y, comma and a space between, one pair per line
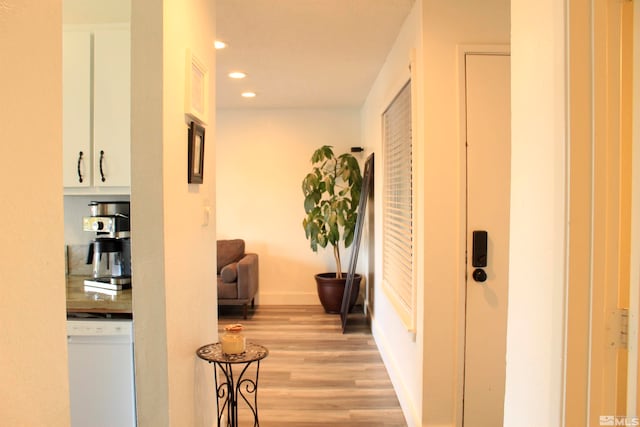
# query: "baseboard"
310, 298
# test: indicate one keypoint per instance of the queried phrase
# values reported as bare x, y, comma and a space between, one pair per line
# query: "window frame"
402, 296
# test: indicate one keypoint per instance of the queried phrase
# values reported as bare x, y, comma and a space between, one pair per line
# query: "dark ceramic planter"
331, 290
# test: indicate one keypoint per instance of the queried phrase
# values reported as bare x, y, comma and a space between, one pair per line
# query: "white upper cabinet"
112, 108
76, 108
97, 110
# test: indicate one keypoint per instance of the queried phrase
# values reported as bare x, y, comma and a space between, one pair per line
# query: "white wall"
535, 336
399, 348
33, 357
174, 299
262, 157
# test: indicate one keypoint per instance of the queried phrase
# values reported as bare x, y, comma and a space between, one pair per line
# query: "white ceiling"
304, 53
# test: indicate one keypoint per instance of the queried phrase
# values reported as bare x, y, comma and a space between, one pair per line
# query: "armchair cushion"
229, 272
229, 251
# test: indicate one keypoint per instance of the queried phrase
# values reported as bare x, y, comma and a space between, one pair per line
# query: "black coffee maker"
110, 251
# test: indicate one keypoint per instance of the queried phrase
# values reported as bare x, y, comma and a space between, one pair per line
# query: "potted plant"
331, 196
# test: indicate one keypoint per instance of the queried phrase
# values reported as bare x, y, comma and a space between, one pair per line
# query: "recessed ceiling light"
219, 44
248, 94
237, 75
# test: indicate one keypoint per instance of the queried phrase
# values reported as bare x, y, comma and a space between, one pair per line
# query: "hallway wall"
536, 319
174, 297
399, 348
33, 357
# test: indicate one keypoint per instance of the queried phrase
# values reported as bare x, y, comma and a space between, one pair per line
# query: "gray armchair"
237, 274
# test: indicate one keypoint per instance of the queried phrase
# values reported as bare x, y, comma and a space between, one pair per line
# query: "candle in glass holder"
233, 341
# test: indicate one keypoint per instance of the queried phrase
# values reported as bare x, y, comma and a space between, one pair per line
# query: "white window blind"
397, 216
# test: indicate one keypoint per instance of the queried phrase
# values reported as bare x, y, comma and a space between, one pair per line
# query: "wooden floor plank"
316, 376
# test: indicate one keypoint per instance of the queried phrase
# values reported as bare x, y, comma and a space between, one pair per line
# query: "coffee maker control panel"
105, 224
97, 223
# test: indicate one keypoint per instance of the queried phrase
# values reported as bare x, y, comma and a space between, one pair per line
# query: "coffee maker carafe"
110, 251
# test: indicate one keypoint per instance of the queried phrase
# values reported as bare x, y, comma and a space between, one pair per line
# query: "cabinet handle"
101, 171
79, 170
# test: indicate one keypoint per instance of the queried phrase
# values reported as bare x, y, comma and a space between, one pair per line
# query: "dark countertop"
81, 301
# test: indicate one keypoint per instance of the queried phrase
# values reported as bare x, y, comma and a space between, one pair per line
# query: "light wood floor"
315, 376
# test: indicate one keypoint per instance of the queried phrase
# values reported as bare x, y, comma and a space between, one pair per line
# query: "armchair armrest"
229, 273
248, 276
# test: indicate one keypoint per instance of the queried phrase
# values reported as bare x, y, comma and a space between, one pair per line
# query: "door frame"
633, 397
597, 285
462, 51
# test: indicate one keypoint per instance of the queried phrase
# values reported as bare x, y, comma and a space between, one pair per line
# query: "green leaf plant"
331, 197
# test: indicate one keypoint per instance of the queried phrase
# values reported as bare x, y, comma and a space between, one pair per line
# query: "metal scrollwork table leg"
234, 382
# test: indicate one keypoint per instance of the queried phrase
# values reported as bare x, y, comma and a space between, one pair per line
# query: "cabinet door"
112, 108
76, 108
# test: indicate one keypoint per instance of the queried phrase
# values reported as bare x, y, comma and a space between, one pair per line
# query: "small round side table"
229, 388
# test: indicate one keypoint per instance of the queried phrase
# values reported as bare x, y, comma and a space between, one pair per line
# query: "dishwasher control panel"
99, 327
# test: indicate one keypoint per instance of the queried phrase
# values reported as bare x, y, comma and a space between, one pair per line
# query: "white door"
488, 186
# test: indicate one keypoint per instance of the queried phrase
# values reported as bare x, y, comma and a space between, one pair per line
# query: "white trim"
196, 105
634, 291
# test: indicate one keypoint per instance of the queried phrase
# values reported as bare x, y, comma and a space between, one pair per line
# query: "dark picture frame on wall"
196, 154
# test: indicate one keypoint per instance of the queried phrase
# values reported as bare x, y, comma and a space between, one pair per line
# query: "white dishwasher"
101, 373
